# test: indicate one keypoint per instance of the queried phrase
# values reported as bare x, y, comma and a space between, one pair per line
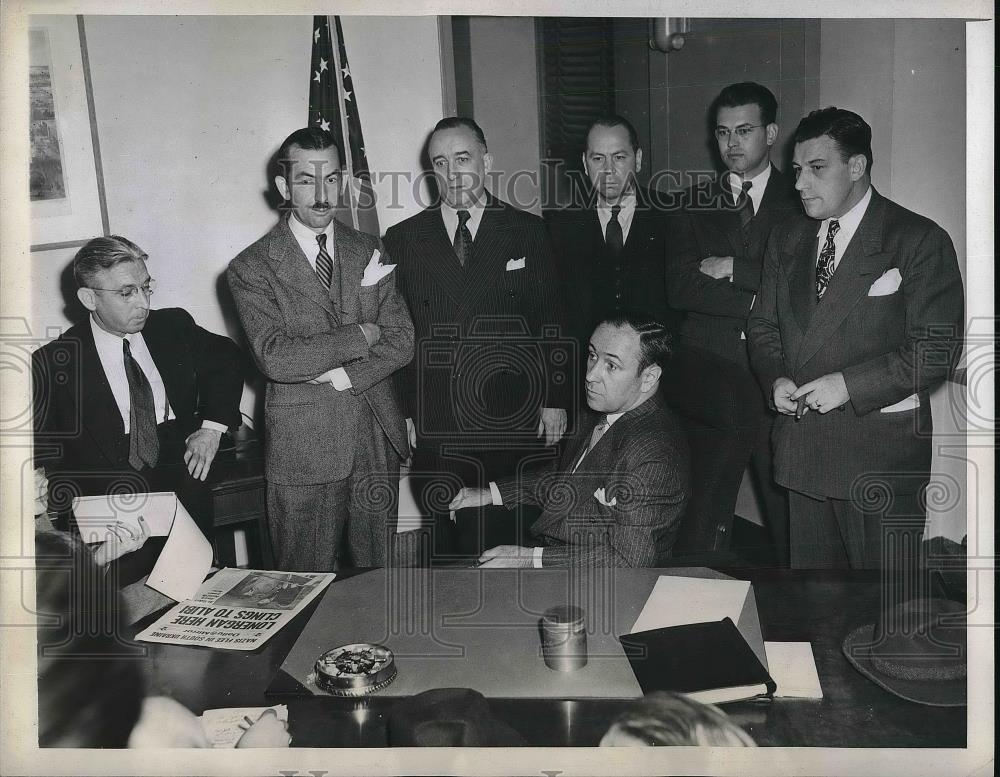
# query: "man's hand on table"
267, 731
506, 556
471, 497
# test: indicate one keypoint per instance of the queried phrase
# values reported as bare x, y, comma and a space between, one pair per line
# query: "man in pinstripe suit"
859, 318
484, 389
617, 495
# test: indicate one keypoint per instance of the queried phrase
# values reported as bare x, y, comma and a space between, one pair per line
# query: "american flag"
333, 106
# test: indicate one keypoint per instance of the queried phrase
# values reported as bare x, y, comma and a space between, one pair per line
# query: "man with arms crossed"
859, 317
327, 328
617, 495
714, 266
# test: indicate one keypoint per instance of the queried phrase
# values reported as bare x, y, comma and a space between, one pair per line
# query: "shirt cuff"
536, 558
215, 426
495, 492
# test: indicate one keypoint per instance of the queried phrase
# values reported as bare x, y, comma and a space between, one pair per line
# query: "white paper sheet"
222, 726
94, 513
408, 513
185, 560
676, 601
793, 668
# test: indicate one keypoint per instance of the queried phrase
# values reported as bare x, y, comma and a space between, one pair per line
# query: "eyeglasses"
742, 132
127, 293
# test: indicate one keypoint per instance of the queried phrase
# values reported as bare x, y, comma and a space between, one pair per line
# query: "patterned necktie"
613, 232
324, 264
143, 443
463, 238
824, 266
744, 205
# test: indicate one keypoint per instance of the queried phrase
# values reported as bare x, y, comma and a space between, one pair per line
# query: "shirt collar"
626, 203
850, 221
104, 338
305, 235
759, 181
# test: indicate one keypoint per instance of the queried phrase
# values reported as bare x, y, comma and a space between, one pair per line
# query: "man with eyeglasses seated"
714, 265
132, 399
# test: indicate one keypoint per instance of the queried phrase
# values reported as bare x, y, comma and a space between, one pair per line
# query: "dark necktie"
824, 266
143, 444
324, 264
613, 232
463, 238
744, 205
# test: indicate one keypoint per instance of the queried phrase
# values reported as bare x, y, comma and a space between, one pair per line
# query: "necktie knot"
324, 262
462, 243
615, 210
834, 228
747, 186
463, 217
321, 239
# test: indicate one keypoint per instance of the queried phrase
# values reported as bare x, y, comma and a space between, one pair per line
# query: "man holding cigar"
859, 317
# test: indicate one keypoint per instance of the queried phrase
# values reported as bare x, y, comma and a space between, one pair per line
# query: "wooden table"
816, 606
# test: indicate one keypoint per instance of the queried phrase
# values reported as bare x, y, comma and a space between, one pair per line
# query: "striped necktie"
324, 264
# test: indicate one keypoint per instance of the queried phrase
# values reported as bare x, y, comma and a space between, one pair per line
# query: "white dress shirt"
758, 185
627, 204
536, 559
849, 223
306, 239
449, 216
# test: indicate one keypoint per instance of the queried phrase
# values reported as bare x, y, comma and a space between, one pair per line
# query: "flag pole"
331, 25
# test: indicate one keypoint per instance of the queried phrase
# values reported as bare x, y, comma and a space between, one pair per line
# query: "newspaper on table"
238, 609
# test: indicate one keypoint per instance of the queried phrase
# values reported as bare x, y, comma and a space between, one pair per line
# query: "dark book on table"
708, 662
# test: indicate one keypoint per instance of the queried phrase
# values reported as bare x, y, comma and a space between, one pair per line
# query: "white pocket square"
887, 284
375, 271
600, 497
515, 264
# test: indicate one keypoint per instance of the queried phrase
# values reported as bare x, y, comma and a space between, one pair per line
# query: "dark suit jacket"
641, 462
717, 309
78, 428
297, 332
489, 350
594, 284
887, 347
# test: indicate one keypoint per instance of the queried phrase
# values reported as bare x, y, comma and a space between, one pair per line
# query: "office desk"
816, 606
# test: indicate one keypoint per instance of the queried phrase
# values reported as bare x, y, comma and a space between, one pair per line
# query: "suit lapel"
437, 256
861, 263
492, 248
293, 269
161, 347
802, 276
349, 263
100, 413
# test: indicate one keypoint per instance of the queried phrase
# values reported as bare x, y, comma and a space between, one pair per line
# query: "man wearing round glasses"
714, 268
133, 399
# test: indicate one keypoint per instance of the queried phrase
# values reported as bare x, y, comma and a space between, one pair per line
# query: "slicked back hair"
613, 120
747, 93
656, 344
456, 122
848, 130
103, 253
308, 138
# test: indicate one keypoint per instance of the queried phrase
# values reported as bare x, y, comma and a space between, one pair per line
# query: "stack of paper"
794, 670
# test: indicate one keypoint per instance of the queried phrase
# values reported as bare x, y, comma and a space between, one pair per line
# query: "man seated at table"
616, 495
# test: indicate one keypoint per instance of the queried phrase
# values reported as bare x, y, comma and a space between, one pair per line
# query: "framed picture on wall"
66, 183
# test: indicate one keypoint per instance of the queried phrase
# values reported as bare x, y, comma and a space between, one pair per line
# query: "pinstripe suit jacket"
641, 462
887, 346
483, 365
297, 332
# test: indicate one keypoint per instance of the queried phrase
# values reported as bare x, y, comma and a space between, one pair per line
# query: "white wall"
907, 78
188, 111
